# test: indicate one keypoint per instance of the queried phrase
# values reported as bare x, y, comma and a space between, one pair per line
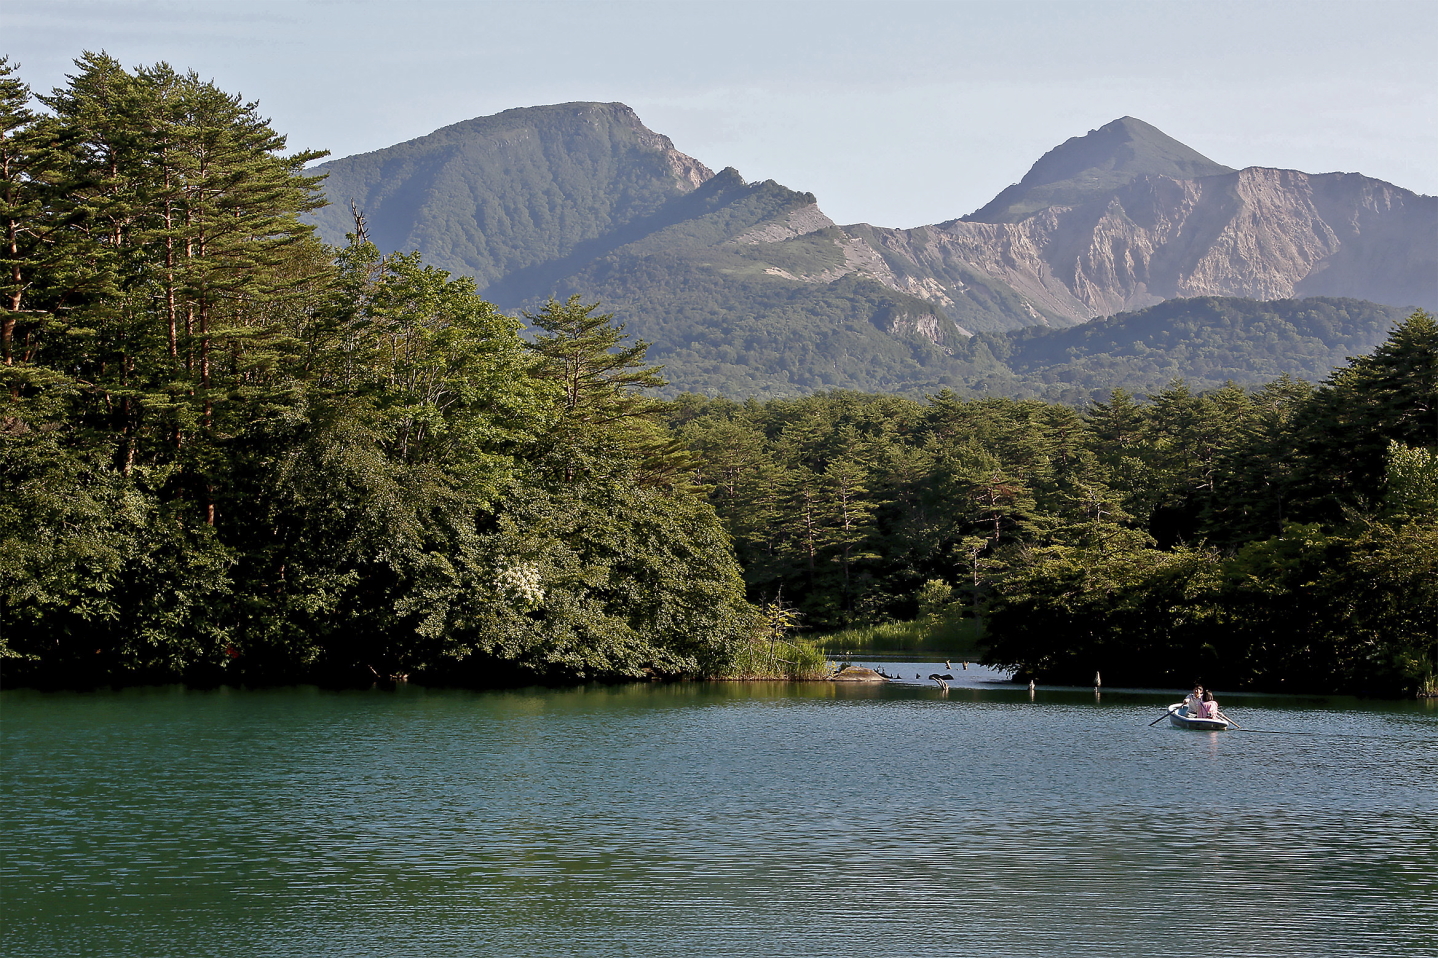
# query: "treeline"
232, 453
1284, 537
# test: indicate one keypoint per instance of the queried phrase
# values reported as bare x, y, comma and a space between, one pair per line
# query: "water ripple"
709, 820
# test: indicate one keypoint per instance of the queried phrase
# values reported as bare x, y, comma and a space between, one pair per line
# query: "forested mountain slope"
750, 289
1207, 342
497, 194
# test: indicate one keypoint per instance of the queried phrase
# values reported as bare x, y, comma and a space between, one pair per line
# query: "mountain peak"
1097, 162
1127, 145
495, 195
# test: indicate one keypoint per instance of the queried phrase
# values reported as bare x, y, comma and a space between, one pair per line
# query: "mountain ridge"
556, 176
735, 282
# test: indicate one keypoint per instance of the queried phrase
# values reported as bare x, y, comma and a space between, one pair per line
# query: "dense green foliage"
1208, 342
1280, 537
230, 453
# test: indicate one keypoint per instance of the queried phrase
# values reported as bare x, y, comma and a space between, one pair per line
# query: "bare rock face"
1257, 233
1127, 217
1143, 219
688, 172
800, 222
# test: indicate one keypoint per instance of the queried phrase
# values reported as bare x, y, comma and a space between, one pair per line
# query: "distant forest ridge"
1208, 342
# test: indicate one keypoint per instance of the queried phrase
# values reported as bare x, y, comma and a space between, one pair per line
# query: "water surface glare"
713, 819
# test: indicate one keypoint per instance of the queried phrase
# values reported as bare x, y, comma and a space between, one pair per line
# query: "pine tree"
583, 353
180, 218
20, 202
144, 199
604, 420
1343, 432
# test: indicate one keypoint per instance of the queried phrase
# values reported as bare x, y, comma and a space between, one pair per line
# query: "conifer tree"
600, 377
144, 198
1389, 395
604, 416
179, 213
19, 199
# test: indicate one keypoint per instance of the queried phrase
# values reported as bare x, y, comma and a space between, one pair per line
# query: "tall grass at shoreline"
949, 636
774, 652
781, 658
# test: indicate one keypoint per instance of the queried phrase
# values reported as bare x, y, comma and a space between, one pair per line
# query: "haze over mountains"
749, 288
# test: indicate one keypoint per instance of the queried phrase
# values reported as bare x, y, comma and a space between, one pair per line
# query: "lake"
714, 819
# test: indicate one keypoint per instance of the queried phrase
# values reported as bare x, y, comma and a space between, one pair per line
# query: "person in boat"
1193, 701
1209, 704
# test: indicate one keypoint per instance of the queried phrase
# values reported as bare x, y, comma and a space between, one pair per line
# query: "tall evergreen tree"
602, 379
20, 202
605, 415
150, 196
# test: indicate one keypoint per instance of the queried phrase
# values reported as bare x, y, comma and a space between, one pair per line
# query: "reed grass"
951, 636
792, 659
1428, 687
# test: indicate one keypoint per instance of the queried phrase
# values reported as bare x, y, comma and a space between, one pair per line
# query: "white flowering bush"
520, 583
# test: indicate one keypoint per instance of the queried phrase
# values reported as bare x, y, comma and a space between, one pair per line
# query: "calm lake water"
714, 819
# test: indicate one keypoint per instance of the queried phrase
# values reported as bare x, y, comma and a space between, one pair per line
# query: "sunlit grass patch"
948, 636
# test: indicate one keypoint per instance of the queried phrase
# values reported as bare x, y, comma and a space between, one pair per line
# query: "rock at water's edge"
856, 674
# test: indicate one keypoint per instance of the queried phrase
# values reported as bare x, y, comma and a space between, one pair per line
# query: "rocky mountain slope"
1256, 233
749, 288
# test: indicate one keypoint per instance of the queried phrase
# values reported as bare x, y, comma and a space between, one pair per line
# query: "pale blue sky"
894, 113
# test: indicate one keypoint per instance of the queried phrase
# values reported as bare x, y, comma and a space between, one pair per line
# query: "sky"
892, 112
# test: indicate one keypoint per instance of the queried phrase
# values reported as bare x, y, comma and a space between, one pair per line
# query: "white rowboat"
1179, 717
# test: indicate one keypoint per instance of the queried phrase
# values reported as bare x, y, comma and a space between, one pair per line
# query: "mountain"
1257, 233
498, 194
1105, 159
750, 289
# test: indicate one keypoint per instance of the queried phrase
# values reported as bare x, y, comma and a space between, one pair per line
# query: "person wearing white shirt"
1193, 701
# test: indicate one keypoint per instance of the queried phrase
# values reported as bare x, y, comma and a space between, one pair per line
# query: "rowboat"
1179, 717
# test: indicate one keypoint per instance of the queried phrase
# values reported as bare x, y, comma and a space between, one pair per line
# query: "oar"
1231, 722
1160, 718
